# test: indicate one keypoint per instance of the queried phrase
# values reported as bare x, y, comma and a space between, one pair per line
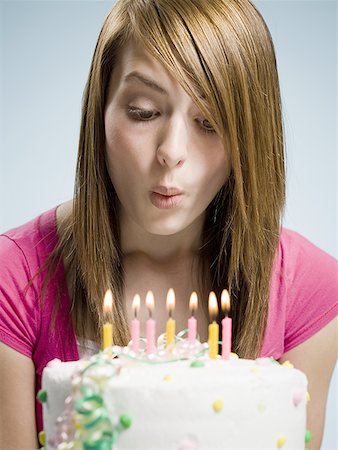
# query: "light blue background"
45, 53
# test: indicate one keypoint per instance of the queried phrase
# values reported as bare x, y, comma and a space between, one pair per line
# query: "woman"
180, 183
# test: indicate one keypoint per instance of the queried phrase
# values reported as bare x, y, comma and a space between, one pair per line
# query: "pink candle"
135, 324
226, 325
192, 322
150, 325
151, 331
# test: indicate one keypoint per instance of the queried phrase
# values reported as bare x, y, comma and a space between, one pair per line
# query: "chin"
164, 227
164, 230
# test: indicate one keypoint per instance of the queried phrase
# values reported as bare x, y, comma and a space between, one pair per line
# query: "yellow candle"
171, 324
107, 335
213, 328
107, 327
213, 339
170, 331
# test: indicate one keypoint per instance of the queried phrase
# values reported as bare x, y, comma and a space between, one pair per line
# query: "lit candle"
170, 332
151, 324
107, 327
226, 325
192, 322
213, 326
135, 324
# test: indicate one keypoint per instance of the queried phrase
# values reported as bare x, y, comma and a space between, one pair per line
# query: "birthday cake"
174, 401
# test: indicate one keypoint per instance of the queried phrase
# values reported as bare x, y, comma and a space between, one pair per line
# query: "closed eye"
206, 126
143, 115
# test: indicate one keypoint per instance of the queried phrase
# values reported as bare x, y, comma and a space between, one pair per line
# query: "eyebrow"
135, 75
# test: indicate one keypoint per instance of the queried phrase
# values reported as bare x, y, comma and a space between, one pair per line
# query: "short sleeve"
312, 289
19, 307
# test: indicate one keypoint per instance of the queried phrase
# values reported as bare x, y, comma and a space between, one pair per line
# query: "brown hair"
222, 54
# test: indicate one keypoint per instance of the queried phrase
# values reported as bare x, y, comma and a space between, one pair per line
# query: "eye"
206, 126
141, 114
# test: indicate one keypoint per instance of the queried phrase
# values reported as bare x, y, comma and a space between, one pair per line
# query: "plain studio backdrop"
46, 48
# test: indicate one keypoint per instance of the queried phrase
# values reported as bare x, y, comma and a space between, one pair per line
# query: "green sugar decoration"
42, 396
197, 363
125, 421
308, 436
273, 360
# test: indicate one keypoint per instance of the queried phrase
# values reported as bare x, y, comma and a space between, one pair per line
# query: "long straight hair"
222, 54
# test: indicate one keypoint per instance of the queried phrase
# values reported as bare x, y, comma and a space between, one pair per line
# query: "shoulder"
296, 244
301, 260
31, 242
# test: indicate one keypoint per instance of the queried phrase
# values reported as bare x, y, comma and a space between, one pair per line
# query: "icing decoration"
308, 436
287, 364
233, 355
125, 421
197, 363
298, 397
218, 405
181, 349
167, 378
308, 398
85, 423
42, 396
281, 441
42, 438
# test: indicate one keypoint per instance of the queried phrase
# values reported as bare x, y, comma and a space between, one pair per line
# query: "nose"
172, 148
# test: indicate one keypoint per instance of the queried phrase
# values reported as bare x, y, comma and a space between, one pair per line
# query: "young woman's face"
164, 159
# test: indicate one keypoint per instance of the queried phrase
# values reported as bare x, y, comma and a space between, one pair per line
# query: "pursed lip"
166, 190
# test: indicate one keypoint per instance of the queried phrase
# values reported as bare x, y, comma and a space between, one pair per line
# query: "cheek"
214, 168
126, 154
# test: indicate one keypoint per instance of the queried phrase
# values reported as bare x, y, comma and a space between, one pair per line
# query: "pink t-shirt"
303, 296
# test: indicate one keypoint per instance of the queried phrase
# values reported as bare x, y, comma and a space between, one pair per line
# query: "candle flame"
108, 302
150, 302
225, 301
193, 302
212, 305
171, 300
136, 304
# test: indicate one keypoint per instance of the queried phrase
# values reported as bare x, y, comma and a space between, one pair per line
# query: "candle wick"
150, 314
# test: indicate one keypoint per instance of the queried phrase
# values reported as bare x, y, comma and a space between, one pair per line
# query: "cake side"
224, 404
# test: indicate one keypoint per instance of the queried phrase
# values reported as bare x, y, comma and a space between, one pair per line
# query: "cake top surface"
192, 372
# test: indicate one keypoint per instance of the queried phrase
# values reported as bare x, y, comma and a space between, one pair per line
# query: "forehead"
133, 57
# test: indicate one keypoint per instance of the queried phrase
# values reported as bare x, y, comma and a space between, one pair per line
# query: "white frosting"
261, 402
